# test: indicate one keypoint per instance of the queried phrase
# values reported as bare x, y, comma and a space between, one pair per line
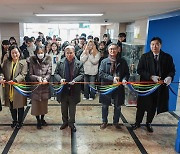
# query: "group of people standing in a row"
69, 70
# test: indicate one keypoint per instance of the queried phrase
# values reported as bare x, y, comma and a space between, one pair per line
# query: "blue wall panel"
168, 29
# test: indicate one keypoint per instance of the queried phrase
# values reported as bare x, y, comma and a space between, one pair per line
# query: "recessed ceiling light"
69, 15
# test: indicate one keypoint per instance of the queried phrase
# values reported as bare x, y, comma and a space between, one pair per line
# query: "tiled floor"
89, 138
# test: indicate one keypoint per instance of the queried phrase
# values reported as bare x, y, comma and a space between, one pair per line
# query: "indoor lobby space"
89, 138
127, 48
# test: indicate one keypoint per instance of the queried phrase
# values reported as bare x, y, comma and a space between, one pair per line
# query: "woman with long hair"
90, 58
15, 70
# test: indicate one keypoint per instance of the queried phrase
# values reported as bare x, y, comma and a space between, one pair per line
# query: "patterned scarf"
113, 64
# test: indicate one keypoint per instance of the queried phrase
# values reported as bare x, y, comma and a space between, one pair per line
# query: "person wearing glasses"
111, 71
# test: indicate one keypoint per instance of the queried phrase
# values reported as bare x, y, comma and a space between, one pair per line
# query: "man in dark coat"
68, 71
113, 70
154, 66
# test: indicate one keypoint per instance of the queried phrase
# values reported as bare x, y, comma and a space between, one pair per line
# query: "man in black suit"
154, 66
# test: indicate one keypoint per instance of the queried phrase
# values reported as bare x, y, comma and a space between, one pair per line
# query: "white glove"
72, 82
63, 81
168, 80
39, 78
155, 78
124, 82
1, 77
116, 80
44, 80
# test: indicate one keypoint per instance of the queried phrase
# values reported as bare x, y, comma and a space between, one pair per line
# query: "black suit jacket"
146, 68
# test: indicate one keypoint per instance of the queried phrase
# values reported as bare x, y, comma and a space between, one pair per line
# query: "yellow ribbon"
11, 90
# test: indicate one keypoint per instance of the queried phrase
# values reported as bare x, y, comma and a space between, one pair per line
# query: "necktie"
156, 58
156, 64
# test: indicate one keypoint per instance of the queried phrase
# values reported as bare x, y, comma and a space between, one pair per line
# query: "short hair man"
68, 71
113, 70
154, 65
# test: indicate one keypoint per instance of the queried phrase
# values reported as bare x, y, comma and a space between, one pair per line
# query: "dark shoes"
43, 123
14, 123
63, 126
149, 127
117, 126
135, 126
103, 125
19, 125
39, 124
73, 128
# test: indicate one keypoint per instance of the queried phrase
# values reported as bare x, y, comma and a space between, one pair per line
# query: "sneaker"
91, 99
84, 98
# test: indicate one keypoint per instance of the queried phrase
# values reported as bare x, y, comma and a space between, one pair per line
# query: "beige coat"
19, 100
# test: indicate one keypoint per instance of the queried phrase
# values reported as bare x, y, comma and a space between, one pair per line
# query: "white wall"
140, 31
9, 29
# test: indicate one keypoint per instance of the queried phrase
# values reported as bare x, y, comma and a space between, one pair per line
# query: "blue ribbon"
141, 94
59, 90
24, 94
103, 92
109, 91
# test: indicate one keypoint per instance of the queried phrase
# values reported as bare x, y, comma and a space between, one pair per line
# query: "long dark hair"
4, 42
57, 48
14, 47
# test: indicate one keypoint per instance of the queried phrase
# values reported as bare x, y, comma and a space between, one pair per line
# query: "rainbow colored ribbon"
141, 89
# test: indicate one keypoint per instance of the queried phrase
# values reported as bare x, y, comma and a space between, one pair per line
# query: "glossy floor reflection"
89, 138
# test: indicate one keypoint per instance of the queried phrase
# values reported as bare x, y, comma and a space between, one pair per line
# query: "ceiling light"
69, 15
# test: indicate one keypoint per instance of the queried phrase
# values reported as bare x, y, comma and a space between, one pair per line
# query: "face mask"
40, 56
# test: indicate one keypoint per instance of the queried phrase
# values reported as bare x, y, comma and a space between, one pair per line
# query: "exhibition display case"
132, 52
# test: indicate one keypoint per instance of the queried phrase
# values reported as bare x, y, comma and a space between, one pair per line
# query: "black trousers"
68, 109
17, 114
151, 108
